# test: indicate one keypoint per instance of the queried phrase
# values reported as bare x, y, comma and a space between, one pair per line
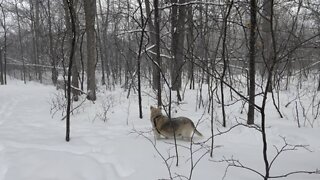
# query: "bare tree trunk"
101, 47
4, 61
271, 68
128, 56
37, 42
157, 48
319, 54
71, 12
252, 53
318, 85
35, 30
267, 51
190, 53
20, 42
1, 69
318, 89
76, 63
104, 42
178, 17
225, 63
76, 60
139, 58
81, 60
54, 71
90, 12
33, 53
152, 32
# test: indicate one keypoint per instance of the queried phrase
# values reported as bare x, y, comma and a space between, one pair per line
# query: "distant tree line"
176, 43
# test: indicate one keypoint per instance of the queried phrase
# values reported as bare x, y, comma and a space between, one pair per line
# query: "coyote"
182, 127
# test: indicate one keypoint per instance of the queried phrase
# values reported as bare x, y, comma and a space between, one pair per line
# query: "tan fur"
182, 127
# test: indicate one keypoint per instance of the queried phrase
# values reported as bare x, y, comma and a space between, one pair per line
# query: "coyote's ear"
151, 107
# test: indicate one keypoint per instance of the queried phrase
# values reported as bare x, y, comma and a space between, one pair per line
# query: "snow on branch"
192, 3
130, 31
148, 49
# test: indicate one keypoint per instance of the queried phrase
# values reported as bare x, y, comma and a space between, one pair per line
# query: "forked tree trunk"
70, 7
76, 63
225, 60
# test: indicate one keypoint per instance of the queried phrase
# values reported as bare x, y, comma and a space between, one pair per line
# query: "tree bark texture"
252, 54
266, 31
90, 12
157, 48
178, 17
70, 7
1, 70
153, 56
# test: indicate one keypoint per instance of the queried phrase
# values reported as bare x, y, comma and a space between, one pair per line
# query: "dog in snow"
181, 127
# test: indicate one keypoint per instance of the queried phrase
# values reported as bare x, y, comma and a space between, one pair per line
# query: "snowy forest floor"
33, 146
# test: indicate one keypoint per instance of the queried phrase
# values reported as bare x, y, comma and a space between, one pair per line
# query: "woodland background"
247, 53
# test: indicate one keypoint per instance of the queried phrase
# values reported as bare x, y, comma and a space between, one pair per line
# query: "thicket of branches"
197, 39
239, 50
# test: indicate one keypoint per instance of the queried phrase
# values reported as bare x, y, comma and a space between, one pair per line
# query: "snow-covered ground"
32, 145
